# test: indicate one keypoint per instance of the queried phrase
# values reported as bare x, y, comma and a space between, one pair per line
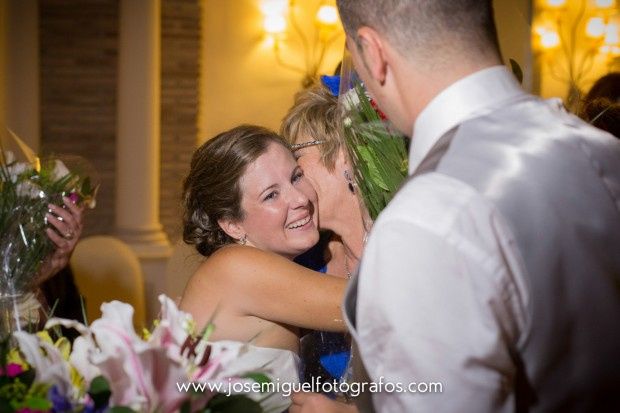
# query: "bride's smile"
278, 204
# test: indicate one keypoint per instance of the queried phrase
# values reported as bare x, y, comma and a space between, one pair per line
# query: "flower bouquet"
110, 368
378, 153
27, 186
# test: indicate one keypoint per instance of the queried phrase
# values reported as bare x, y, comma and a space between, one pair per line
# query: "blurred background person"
601, 106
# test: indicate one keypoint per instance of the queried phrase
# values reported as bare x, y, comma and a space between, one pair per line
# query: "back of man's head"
427, 29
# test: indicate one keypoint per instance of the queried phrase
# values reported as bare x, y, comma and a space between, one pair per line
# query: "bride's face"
278, 204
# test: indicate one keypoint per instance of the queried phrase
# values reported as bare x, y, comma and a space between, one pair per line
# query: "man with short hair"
495, 270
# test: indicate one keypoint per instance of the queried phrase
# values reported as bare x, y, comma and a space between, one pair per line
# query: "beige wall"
513, 26
242, 82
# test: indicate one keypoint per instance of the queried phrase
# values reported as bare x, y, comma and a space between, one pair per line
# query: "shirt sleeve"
432, 308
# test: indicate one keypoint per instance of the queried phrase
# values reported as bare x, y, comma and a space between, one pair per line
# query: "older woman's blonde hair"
315, 115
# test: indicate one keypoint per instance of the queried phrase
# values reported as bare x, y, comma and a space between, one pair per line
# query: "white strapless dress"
281, 366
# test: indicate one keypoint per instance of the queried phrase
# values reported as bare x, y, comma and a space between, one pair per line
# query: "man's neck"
420, 85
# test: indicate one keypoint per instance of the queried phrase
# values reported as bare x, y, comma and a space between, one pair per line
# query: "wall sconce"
570, 36
282, 25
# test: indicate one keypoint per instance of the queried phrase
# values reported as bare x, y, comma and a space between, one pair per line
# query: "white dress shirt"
442, 296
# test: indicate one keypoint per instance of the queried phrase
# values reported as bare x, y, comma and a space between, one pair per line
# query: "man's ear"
372, 52
232, 228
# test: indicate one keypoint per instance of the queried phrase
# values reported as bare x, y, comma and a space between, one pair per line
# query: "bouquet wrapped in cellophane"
377, 151
27, 186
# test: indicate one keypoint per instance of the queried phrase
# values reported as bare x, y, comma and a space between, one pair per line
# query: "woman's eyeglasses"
302, 145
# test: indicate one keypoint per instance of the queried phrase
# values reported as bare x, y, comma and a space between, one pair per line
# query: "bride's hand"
317, 403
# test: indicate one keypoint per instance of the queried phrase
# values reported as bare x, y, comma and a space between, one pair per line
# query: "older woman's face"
278, 204
326, 184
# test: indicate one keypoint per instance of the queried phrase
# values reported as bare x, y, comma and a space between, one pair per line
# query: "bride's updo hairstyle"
212, 192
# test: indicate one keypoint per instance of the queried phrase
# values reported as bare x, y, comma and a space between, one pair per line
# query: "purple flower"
60, 403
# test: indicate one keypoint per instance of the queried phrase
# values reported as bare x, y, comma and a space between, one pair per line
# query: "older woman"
313, 129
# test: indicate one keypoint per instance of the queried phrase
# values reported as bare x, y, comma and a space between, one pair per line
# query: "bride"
250, 210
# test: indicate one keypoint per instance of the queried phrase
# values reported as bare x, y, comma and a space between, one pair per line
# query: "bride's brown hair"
211, 191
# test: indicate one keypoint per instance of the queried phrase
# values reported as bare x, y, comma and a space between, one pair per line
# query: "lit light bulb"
556, 3
327, 15
610, 50
274, 24
550, 39
605, 4
612, 37
540, 30
595, 27
274, 7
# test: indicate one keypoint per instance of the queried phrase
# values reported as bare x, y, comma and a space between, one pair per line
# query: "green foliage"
100, 391
21, 392
378, 154
516, 69
258, 377
232, 404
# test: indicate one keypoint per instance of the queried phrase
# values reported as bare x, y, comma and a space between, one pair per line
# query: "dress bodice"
281, 366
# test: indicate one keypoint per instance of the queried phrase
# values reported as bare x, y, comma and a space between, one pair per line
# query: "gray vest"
557, 185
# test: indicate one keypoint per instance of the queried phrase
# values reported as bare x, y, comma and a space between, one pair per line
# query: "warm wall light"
573, 38
612, 38
548, 37
274, 12
605, 4
274, 7
274, 24
550, 40
556, 3
279, 15
595, 27
327, 15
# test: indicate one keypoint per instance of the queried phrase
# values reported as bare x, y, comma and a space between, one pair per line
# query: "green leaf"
236, 403
258, 377
516, 69
378, 155
99, 391
39, 403
87, 186
4, 350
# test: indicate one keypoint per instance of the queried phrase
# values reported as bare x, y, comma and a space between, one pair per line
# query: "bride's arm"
257, 283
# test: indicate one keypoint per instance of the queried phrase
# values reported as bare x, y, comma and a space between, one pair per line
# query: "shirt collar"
469, 97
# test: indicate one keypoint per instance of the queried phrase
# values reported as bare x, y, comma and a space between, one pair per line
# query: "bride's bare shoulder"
235, 261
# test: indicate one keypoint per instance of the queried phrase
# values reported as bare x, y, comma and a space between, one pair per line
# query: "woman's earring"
244, 239
350, 182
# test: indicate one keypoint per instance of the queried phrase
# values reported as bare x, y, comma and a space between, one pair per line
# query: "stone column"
138, 142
